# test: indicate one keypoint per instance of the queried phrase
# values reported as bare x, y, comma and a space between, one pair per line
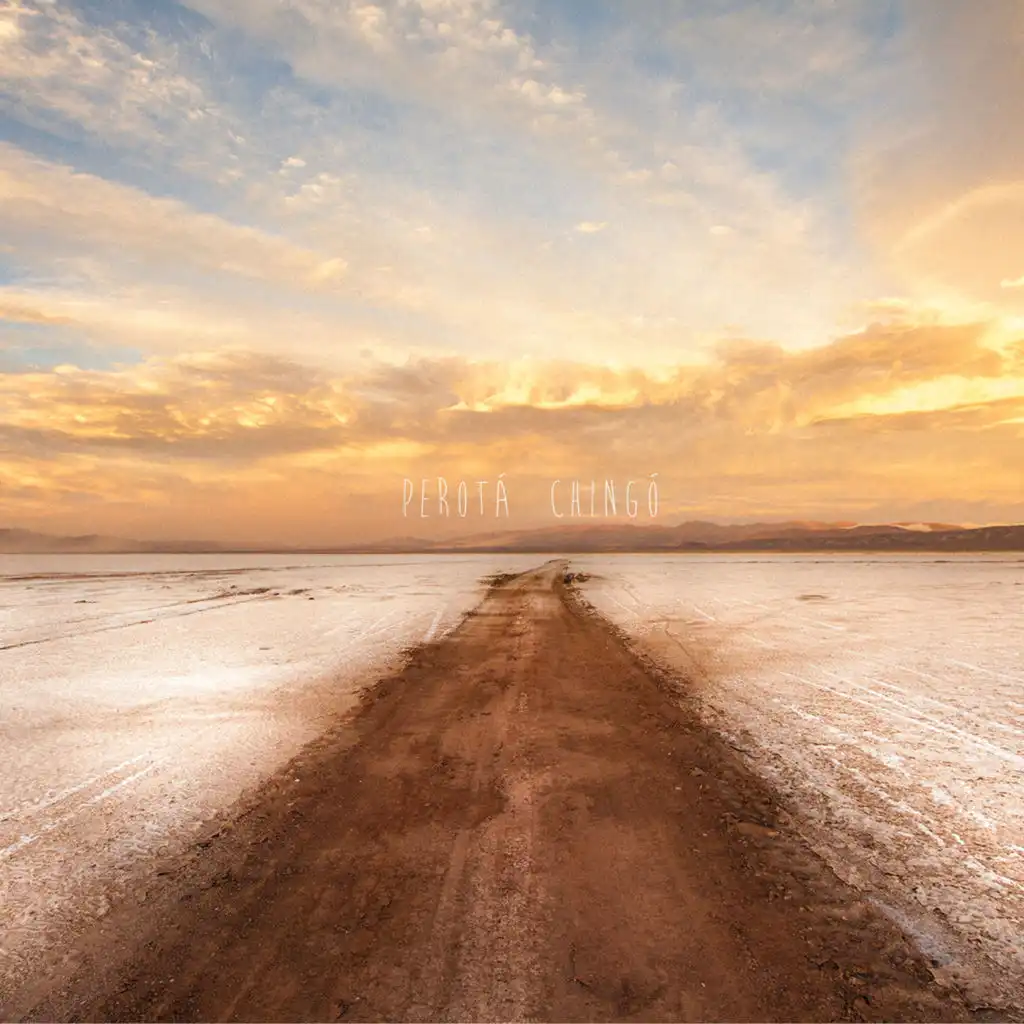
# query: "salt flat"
140, 695
884, 697
519, 826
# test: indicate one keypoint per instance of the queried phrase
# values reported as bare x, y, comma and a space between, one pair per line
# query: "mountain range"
691, 536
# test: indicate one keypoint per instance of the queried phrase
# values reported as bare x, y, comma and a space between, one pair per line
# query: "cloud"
816, 46
403, 123
944, 199
29, 313
368, 189
65, 74
425, 47
602, 116
222, 405
42, 203
874, 420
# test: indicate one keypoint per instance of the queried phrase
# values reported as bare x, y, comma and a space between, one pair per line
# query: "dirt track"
523, 824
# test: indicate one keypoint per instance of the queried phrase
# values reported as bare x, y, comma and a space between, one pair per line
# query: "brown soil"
524, 824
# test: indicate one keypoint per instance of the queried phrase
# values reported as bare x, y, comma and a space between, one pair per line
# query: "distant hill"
696, 533
706, 536
692, 536
28, 542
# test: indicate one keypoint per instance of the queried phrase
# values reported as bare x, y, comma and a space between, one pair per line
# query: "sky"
263, 261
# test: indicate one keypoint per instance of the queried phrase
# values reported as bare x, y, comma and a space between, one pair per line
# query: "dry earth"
524, 824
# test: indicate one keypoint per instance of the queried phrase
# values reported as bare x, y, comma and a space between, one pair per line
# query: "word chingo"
583, 501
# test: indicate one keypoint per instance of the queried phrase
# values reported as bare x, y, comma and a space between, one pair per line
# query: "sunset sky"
262, 260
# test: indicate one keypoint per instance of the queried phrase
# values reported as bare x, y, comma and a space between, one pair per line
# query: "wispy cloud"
44, 204
312, 206
64, 73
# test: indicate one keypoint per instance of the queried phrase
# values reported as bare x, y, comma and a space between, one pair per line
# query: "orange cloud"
895, 421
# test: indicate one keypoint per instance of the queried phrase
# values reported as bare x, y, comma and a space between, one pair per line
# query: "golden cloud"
901, 418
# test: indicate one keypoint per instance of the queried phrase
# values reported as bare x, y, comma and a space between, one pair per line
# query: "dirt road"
522, 825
